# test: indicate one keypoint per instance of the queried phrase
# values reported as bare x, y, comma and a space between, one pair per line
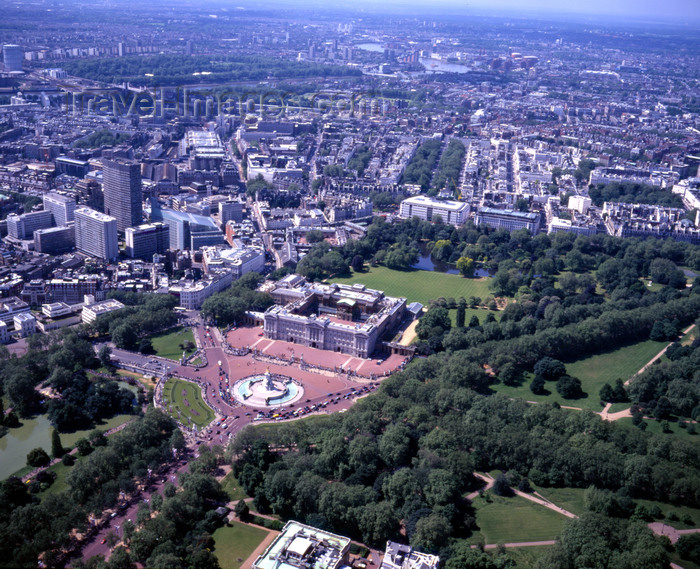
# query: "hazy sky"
684, 10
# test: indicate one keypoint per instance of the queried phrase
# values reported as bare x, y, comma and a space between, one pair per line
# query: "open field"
419, 286
620, 363
594, 372
506, 520
233, 488
167, 345
654, 426
234, 544
571, 499
526, 557
62, 471
186, 397
680, 511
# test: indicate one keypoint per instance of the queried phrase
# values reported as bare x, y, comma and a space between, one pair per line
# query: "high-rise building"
62, 208
230, 211
144, 241
23, 226
122, 193
12, 56
55, 240
96, 234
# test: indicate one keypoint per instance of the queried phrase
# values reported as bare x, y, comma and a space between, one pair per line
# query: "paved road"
96, 547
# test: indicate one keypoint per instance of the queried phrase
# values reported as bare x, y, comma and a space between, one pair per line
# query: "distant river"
377, 47
443, 67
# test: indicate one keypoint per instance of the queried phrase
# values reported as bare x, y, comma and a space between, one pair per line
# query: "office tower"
62, 208
230, 211
144, 241
23, 226
55, 240
122, 193
12, 57
96, 234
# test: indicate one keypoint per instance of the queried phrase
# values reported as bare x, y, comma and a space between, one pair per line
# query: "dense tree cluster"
671, 387
420, 169
360, 159
630, 192
143, 315
30, 527
449, 168
594, 540
59, 361
229, 306
173, 69
175, 530
403, 458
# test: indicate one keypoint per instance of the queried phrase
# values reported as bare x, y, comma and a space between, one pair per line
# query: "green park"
172, 343
417, 285
594, 372
183, 401
234, 543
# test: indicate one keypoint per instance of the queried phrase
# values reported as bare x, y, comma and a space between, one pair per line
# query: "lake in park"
34, 433
426, 263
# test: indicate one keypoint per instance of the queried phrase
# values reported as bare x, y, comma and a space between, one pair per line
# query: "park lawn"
515, 519
166, 345
654, 426
176, 391
617, 407
526, 557
595, 371
523, 392
480, 313
419, 286
233, 488
61, 483
680, 511
571, 499
235, 543
68, 440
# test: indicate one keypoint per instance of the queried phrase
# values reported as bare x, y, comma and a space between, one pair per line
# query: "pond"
426, 263
34, 433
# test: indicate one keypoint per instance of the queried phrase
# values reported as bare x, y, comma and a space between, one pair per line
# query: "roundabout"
267, 390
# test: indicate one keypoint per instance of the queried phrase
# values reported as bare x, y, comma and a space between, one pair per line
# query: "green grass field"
655, 427
232, 487
168, 345
419, 286
508, 520
480, 313
594, 372
233, 545
526, 557
571, 499
187, 398
680, 511
621, 363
